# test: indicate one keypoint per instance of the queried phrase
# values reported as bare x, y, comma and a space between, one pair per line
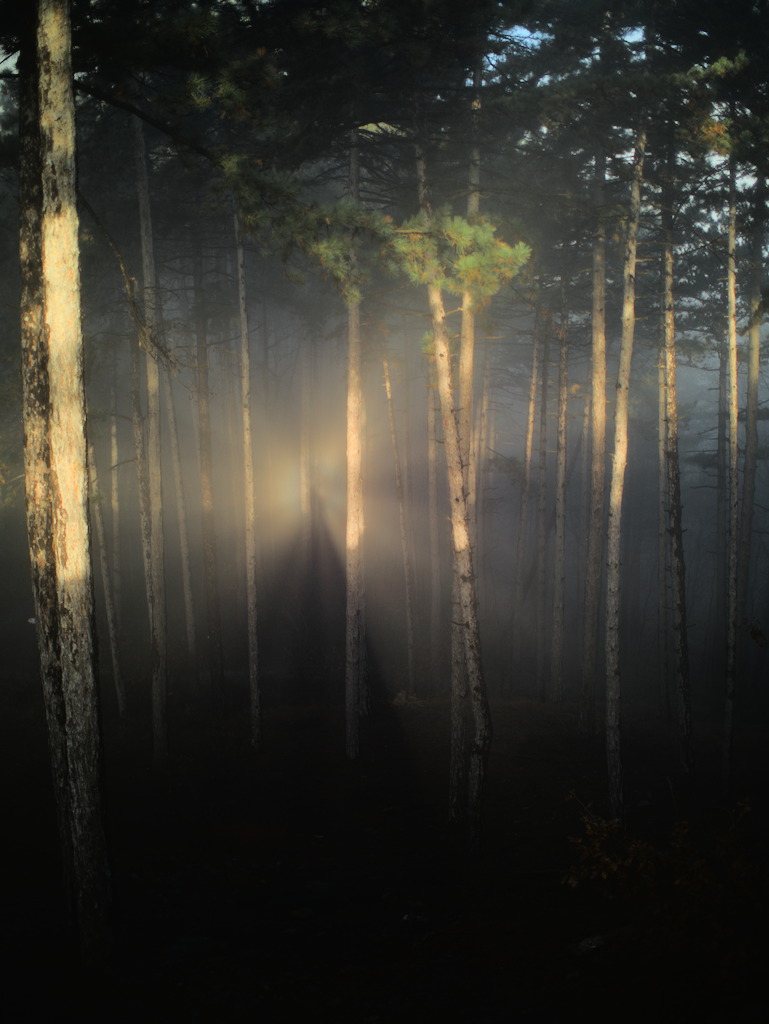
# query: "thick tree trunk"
154, 454
616, 490
595, 537
255, 703
35, 411
663, 663
54, 418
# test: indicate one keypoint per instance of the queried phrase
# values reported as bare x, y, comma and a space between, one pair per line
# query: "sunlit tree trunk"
56, 469
213, 670
354, 622
405, 552
595, 537
249, 498
480, 741
616, 490
153, 453
751, 400
734, 520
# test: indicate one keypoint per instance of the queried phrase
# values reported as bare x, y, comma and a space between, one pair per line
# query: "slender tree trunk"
114, 435
595, 537
675, 511
154, 453
407, 573
354, 635
751, 401
542, 531
181, 517
734, 519
523, 515
619, 463
559, 570
97, 517
212, 664
435, 563
57, 474
662, 531
249, 499
462, 550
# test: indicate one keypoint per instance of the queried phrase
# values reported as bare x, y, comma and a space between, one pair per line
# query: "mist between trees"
378, 301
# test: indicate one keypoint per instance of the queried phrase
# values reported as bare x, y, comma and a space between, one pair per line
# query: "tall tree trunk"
595, 537
734, 520
616, 490
405, 553
56, 471
435, 562
751, 400
675, 511
154, 454
249, 498
114, 436
662, 530
354, 634
97, 517
559, 568
213, 680
181, 518
523, 516
542, 531
461, 548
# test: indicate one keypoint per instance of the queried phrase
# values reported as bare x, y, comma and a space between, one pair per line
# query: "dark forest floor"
298, 886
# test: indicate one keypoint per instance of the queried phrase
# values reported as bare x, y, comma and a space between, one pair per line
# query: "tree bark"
55, 424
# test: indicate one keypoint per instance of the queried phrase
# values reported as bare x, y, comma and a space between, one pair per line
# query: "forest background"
277, 200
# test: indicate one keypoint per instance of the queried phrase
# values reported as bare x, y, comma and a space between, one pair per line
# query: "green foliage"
456, 254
